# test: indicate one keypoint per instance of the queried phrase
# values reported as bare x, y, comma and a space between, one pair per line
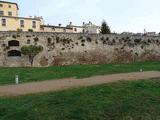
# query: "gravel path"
54, 85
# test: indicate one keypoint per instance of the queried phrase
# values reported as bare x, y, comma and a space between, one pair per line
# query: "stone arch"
14, 53
13, 43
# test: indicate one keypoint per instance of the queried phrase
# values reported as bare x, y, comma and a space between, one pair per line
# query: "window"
14, 53
75, 29
22, 23
9, 13
34, 24
1, 12
3, 22
9, 6
13, 43
1, 5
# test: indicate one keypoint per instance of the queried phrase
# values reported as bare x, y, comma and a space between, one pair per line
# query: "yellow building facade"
9, 20
8, 9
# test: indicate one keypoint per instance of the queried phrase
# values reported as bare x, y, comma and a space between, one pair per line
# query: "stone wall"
71, 49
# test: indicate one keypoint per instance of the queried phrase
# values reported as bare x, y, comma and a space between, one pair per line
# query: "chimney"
90, 22
83, 23
70, 23
59, 25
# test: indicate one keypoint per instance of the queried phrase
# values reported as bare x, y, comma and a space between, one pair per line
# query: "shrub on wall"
107, 38
83, 40
30, 30
142, 47
104, 42
3, 45
14, 36
123, 38
28, 36
28, 41
57, 39
66, 41
82, 44
81, 37
114, 41
89, 39
102, 38
19, 30
18, 35
157, 41
36, 39
137, 40
127, 38
149, 41
49, 40
136, 54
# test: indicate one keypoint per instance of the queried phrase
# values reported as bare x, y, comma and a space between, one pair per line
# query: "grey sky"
121, 15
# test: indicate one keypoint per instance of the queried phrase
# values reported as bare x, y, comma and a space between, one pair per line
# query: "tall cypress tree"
105, 29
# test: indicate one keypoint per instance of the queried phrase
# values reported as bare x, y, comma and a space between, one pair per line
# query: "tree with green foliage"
31, 51
105, 29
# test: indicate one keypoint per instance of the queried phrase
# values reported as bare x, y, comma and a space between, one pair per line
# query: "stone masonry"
72, 49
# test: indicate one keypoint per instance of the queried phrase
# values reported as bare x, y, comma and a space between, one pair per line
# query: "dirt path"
54, 85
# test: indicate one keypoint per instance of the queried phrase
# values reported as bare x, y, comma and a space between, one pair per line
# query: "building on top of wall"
76, 29
91, 28
85, 28
58, 29
10, 21
151, 34
127, 33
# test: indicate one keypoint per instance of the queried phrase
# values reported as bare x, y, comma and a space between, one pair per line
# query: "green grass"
139, 100
80, 71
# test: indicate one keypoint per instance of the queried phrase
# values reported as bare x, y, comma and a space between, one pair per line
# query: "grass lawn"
136, 100
80, 71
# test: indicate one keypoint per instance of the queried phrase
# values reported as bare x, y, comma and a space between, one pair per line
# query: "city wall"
72, 49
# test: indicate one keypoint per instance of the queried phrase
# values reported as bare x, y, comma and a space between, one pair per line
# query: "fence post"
141, 69
16, 79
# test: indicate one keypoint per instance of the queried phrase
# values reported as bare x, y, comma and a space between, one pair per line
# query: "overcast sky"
121, 15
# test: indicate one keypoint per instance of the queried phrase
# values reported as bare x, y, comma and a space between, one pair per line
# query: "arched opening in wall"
13, 43
14, 53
